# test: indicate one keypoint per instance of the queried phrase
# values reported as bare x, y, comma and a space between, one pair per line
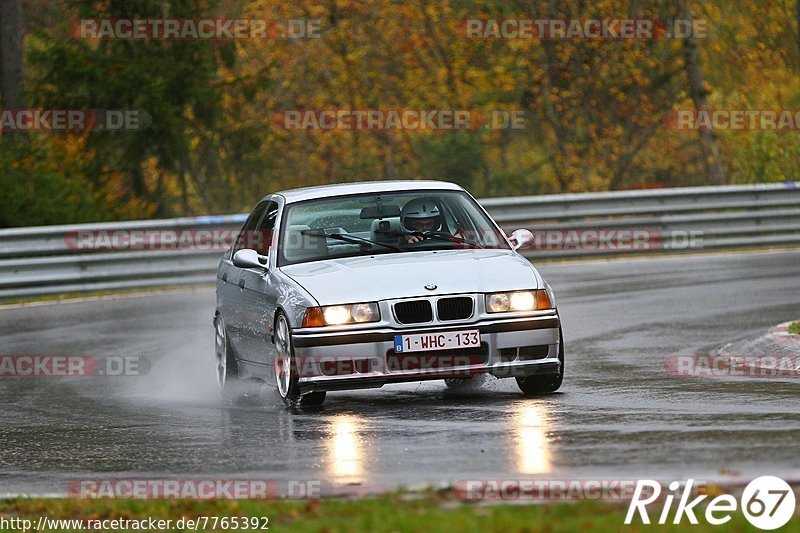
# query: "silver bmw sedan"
357, 285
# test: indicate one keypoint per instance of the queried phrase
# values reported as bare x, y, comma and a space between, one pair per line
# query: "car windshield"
395, 222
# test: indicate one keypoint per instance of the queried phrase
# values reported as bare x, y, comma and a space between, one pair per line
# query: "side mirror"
521, 238
247, 258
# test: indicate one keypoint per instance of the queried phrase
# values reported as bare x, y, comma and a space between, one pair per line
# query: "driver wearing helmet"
420, 214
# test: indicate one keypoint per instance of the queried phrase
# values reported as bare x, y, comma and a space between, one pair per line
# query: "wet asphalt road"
618, 415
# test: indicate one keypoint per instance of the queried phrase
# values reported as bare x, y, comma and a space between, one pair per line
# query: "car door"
258, 298
229, 294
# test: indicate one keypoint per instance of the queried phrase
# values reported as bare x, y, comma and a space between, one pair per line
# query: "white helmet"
420, 208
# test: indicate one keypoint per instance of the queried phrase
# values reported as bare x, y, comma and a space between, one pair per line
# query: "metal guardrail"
45, 260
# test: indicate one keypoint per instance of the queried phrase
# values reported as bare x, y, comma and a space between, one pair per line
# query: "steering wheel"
425, 240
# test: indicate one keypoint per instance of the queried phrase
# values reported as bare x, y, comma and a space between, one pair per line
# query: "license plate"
448, 340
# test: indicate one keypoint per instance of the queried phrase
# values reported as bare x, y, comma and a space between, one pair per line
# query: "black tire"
226, 364
286, 377
547, 383
287, 385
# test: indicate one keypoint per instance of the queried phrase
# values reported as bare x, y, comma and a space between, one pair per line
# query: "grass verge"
90, 295
428, 511
794, 328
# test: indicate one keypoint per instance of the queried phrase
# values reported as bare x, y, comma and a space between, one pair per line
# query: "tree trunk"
11, 33
699, 95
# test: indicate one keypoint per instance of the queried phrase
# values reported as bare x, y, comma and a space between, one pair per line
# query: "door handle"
241, 284
225, 277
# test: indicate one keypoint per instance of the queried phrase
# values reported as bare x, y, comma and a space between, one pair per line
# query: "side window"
246, 236
265, 229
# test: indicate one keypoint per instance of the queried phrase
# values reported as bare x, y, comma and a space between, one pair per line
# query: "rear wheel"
534, 385
286, 375
226, 365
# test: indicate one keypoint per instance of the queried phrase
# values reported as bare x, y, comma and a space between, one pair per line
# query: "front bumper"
509, 348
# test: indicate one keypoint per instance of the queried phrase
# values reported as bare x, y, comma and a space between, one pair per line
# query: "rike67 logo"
767, 502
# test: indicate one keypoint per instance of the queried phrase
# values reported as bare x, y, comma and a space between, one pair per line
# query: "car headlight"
504, 302
338, 315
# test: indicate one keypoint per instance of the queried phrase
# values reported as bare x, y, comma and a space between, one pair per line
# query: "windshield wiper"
435, 235
351, 239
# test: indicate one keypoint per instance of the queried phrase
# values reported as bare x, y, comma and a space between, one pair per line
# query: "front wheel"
286, 374
535, 385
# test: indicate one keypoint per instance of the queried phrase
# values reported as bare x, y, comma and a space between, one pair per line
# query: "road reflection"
346, 448
533, 446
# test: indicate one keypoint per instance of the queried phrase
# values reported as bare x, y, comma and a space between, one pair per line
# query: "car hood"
383, 277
